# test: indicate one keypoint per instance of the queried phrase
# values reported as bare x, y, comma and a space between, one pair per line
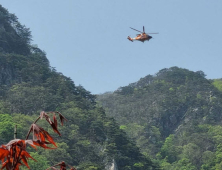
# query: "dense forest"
28, 85
174, 116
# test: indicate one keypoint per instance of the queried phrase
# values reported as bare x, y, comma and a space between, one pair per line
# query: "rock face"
7, 74
112, 166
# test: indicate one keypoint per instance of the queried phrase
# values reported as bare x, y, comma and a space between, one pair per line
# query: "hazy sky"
86, 40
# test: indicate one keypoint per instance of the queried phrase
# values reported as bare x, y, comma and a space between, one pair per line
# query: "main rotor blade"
153, 33
136, 30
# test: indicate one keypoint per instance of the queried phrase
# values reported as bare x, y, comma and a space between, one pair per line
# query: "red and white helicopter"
141, 37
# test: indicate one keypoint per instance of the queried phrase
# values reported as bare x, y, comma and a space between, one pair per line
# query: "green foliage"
164, 164
29, 85
28, 99
59, 154
15, 38
123, 127
138, 165
208, 158
41, 162
183, 164
90, 166
218, 84
6, 128
192, 152
173, 116
169, 150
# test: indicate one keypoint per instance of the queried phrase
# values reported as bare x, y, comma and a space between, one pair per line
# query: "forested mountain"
28, 84
175, 116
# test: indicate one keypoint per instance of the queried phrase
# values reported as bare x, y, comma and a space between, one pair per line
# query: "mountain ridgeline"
175, 116
28, 84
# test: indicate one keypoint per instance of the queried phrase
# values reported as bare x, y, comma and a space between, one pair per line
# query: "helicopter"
141, 37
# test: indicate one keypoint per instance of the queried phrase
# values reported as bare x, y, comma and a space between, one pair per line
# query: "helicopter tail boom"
129, 38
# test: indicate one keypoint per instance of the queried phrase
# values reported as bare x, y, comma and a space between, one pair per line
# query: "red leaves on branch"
42, 136
14, 153
62, 166
54, 122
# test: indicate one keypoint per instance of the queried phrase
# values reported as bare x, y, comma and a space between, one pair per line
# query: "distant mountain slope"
172, 105
28, 84
14, 37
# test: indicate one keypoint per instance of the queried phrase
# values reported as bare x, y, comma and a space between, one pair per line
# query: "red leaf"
62, 118
55, 121
3, 153
5, 165
31, 143
17, 166
62, 166
42, 144
41, 134
24, 156
53, 124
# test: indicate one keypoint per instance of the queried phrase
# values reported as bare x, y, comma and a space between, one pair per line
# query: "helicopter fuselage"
141, 37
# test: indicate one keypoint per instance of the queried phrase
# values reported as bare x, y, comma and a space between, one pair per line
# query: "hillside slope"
171, 114
28, 85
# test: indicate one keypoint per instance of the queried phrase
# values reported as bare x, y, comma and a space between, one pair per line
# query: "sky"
87, 40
